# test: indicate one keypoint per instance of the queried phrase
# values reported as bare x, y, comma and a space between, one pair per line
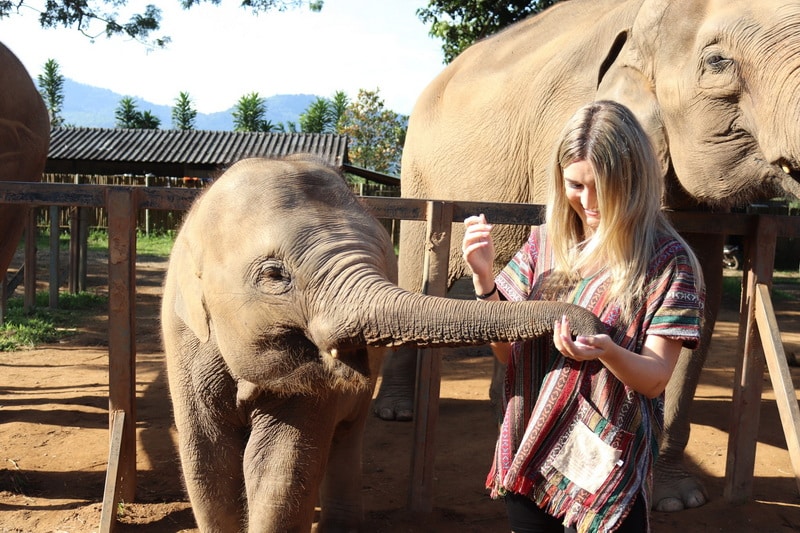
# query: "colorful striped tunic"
574, 438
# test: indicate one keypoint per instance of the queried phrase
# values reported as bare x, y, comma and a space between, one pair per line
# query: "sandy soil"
54, 440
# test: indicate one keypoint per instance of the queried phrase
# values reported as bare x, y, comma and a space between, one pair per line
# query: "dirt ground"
54, 440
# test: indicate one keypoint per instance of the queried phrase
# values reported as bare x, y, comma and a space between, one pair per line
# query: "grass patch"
43, 325
154, 244
158, 244
785, 287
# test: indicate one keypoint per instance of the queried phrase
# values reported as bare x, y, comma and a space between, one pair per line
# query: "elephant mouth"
290, 363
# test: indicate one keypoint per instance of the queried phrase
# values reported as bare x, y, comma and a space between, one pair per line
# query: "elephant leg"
211, 459
12, 220
395, 399
284, 462
340, 495
675, 487
211, 439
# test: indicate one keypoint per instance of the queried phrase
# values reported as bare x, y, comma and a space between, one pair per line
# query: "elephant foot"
394, 403
395, 399
677, 490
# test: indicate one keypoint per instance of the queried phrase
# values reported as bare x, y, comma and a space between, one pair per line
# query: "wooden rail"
757, 316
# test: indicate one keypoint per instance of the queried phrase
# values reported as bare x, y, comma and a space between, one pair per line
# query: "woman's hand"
478, 252
647, 372
583, 348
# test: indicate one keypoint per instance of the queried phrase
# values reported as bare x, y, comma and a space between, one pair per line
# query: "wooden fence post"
29, 300
121, 206
749, 375
54, 257
426, 404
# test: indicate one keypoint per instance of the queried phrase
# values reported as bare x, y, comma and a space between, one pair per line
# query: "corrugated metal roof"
190, 149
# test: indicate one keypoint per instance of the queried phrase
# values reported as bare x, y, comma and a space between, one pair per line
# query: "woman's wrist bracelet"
488, 294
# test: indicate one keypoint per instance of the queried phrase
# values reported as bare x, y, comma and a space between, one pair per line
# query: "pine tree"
51, 87
126, 114
128, 117
183, 113
249, 114
317, 118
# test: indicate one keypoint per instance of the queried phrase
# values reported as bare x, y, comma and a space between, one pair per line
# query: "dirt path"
54, 442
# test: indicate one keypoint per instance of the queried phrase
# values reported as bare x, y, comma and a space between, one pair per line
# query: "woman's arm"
478, 252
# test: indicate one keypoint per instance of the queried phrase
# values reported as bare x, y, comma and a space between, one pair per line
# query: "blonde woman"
583, 416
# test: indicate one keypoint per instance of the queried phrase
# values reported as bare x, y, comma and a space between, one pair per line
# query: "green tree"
51, 87
460, 23
339, 104
127, 116
148, 121
94, 18
324, 115
376, 134
183, 112
249, 113
317, 117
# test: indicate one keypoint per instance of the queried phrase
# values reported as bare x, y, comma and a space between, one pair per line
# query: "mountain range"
93, 107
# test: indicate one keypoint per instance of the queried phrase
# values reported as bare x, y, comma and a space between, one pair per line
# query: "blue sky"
219, 53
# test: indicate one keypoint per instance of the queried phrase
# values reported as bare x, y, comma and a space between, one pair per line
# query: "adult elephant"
714, 82
279, 293
24, 140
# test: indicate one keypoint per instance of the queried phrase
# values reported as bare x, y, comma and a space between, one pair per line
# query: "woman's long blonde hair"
629, 191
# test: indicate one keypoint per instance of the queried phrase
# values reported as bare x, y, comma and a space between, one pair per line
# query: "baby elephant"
279, 297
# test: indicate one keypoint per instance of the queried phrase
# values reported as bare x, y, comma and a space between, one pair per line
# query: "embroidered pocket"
591, 450
585, 459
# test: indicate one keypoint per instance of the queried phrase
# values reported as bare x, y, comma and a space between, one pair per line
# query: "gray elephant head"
282, 270
715, 81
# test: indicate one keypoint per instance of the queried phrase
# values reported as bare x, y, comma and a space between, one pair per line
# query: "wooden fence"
757, 323
163, 220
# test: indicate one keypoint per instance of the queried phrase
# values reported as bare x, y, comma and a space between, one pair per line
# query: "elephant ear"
189, 303
624, 77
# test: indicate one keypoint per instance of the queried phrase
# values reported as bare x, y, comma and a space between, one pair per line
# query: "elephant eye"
717, 62
271, 276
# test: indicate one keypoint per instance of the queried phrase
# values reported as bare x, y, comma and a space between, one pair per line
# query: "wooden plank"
395, 208
122, 211
716, 223
60, 194
426, 408
749, 374
108, 514
781, 377
167, 198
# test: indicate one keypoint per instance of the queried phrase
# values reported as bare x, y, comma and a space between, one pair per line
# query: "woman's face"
582, 194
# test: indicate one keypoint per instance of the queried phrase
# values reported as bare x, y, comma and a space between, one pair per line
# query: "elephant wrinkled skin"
24, 140
715, 84
280, 292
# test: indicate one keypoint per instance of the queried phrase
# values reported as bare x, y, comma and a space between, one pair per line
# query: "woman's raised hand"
478, 252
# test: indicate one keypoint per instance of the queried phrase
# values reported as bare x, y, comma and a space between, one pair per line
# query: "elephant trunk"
391, 316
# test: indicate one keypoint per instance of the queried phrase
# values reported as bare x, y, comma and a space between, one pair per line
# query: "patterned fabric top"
574, 438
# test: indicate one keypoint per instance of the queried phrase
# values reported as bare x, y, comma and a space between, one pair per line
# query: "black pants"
525, 516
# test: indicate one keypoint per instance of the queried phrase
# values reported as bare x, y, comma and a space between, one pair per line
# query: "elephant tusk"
334, 353
786, 169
